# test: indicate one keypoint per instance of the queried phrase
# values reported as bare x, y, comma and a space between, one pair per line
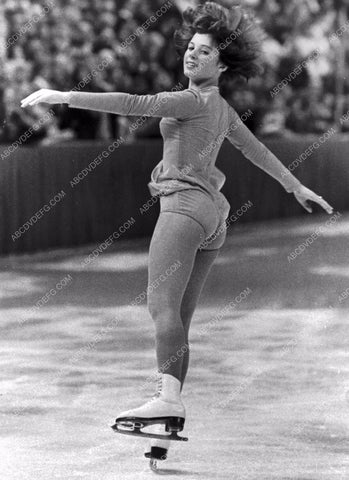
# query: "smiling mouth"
191, 64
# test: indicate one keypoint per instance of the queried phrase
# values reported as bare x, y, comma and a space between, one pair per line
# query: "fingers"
34, 98
320, 201
316, 199
306, 206
324, 204
26, 101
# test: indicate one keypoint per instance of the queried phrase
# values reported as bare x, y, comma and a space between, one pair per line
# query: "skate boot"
157, 448
165, 408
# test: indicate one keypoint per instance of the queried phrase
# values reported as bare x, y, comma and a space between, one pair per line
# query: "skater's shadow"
174, 471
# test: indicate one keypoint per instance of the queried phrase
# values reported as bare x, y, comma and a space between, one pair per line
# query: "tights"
176, 275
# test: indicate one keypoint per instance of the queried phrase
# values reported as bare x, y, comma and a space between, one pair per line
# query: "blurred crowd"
65, 45
91, 45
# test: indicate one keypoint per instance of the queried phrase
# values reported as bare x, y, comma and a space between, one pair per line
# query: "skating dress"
193, 126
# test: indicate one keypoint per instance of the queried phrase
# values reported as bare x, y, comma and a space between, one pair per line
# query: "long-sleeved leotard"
193, 126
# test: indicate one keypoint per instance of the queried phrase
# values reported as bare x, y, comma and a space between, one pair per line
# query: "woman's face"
204, 55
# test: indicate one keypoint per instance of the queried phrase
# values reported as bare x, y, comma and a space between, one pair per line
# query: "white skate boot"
164, 408
157, 448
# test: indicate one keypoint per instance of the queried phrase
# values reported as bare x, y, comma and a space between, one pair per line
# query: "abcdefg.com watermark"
27, 134
108, 241
294, 73
314, 236
153, 285
26, 27
39, 214
60, 285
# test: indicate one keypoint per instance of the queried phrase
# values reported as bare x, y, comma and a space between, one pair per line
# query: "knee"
155, 307
167, 333
160, 306
166, 317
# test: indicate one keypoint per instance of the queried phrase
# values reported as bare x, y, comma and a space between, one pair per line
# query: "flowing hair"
236, 32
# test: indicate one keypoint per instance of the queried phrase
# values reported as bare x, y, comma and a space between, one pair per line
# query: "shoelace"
159, 383
158, 388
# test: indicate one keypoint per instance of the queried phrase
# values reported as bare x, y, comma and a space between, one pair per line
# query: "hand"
45, 95
303, 194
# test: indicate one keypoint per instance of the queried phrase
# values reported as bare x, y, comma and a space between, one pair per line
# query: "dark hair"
236, 32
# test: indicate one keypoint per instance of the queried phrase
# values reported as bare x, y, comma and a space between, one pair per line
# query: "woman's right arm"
243, 139
179, 104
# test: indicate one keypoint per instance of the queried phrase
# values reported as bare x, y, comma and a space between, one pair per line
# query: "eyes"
205, 52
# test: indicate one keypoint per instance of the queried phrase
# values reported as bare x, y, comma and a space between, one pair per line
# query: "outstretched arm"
179, 104
244, 140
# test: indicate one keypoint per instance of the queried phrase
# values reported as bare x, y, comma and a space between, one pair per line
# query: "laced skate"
157, 448
165, 408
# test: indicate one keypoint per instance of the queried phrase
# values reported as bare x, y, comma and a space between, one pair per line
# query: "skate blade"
136, 430
172, 424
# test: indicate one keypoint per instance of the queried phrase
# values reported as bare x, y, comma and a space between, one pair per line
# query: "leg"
172, 251
203, 263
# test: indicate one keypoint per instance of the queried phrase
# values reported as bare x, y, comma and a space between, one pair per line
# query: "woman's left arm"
255, 151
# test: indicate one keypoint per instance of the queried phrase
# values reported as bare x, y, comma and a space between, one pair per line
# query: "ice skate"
157, 448
165, 408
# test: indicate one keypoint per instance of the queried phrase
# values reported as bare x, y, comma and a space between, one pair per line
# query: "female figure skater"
214, 41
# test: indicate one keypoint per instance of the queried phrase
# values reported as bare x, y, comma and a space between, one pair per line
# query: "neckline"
204, 88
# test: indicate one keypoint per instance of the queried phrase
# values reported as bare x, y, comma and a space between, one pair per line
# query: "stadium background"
267, 393
112, 46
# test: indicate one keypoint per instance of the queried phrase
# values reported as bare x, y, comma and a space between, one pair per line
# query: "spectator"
61, 46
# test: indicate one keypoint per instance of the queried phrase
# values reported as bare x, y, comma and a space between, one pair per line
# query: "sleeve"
178, 104
255, 151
